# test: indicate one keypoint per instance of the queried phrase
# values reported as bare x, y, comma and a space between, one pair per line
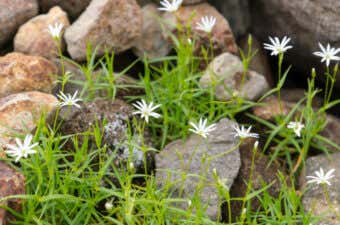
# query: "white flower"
321, 177
201, 128
207, 24
69, 100
146, 110
170, 7
328, 54
296, 126
21, 149
108, 206
55, 30
278, 46
243, 132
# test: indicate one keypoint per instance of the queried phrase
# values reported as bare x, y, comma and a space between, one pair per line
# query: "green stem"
279, 79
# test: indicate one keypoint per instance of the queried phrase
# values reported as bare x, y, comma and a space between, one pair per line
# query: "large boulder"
108, 25
73, 7
11, 183
19, 72
225, 73
14, 13
19, 114
306, 22
39, 41
187, 164
315, 199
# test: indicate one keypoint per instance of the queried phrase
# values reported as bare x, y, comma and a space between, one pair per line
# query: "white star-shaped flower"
277, 46
321, 177
296, 127
69, 100
21, 150
170, 7
55, 30
206, 24
146, 110
201, 128
242, 132
328, 54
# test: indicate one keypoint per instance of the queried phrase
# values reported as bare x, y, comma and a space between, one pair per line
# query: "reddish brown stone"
19, 72
39, 41
11, 183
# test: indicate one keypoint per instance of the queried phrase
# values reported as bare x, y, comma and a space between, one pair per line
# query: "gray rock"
314, 199
153, 43
14, 13
306, 22
109, 25
195, 159
73, 7
237, 13
225, 72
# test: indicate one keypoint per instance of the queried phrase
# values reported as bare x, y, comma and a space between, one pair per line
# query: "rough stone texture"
113, 118
73, 7
13, 13
260, 175
19, 113
237, 13
221, 37
19, 72
153, 43
11, 183
198, 157
259, 62
39, 41
314, 199
112, 25
226, 72
306, 22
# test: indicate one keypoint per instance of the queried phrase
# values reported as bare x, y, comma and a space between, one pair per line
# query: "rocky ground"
30, 65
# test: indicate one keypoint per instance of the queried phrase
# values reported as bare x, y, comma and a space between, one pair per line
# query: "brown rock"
19, 113
13, 13
262, 173
11, 183
19, 72
109, 25
153, 43
192, 2
39, 41
221, 39
73, 7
